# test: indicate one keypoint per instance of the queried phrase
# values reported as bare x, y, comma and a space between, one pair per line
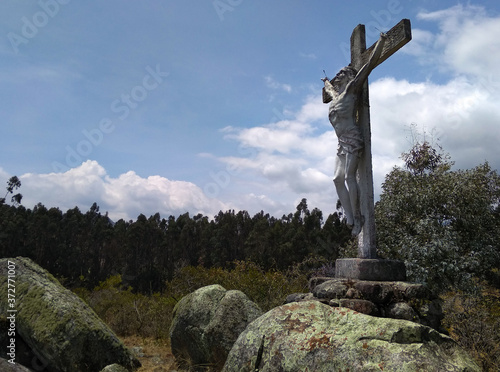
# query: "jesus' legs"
351, 166
339, 179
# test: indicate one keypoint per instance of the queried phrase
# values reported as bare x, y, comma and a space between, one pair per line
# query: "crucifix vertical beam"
367, 237
398, 36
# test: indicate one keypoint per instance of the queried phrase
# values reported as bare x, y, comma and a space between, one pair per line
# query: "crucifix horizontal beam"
397, 37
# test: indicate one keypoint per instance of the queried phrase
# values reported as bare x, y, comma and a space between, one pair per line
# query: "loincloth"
350, 142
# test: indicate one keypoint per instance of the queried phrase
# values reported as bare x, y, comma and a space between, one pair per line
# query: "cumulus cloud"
467, 41
125, 197
295, 157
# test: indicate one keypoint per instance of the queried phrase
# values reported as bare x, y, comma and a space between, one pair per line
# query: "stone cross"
397, 37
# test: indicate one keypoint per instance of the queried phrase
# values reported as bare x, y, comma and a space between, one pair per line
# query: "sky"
203, 106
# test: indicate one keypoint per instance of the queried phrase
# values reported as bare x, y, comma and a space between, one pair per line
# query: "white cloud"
273, 84
295, 157
125, 197
468, 40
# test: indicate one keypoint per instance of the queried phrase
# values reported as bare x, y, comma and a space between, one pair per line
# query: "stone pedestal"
385, 299
375, 287
370, 269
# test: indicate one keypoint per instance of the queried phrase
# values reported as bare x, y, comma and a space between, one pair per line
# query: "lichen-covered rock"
57, 325
206, 324
311, 336
331, 289
399, 300
361, 306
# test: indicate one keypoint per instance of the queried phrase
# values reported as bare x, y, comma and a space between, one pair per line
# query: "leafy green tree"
444, 224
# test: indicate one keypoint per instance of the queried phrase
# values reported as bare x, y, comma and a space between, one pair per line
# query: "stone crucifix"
350, 116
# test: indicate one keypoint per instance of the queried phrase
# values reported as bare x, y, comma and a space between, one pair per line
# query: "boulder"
311, 336
298, 297
401, 310
206, 323
331, 289
23, 354
399, 300
5, 365
62, 331
114, 368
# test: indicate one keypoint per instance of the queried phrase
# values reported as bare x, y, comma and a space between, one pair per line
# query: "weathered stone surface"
310, 336
421, 305
370, 269
377, 292
331, 289
58, 326
401, 310
361, 306
114, 368
317, 280
6, 366
408, 291
298, 297
206, 324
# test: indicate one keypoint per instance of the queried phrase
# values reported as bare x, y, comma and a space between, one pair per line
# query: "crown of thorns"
349, 70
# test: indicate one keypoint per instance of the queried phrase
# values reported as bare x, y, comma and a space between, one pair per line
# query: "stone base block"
370, 269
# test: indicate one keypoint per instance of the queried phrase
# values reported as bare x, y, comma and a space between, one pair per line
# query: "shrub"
474, 322
267, 289
129, 313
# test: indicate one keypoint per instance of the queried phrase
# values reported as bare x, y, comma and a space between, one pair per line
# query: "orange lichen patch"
365, 345
318, 342
293, 306
295, 324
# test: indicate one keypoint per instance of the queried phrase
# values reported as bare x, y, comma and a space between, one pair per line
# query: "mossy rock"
311, 336
206, 323
63, 331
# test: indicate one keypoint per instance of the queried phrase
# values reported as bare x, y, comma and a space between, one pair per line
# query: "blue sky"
200, 106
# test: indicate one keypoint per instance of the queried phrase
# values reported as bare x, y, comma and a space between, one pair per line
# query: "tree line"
86, 248
444, 223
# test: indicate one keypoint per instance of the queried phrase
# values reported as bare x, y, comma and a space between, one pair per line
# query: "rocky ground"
154, 355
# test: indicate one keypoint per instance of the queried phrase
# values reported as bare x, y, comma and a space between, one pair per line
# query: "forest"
86, 248
443, 223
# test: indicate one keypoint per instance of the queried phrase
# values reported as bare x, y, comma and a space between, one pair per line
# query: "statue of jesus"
343, 91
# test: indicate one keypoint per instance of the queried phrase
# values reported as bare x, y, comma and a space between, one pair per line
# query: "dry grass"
154, 355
